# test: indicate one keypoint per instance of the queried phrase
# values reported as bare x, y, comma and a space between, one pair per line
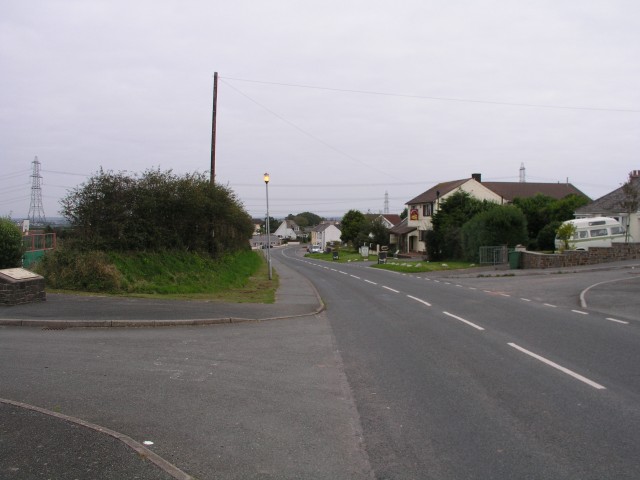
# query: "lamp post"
266, 184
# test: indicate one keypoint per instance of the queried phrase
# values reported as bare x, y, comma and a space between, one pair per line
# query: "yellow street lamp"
266, 184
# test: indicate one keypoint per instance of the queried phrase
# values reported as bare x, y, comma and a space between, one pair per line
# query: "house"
324, 233
258, 242
258, 224
411, 236
612, 205
422, 208
288, 229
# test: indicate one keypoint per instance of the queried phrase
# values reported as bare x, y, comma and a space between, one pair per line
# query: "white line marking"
525, 299
472, 288
562, 369
487, 291
333, 269
459, 286
354, 276
418, 300
477, 327
505, 294
344, 273
549, 305
389, 288
372, 283
617, 321
580, 312
583, 294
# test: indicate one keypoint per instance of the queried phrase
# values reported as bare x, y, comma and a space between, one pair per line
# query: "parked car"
314, 249
595, 232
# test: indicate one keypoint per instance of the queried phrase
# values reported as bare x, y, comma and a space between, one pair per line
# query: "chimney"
634, 174
477, 177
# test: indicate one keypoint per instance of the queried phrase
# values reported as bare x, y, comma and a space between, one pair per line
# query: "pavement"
37, 443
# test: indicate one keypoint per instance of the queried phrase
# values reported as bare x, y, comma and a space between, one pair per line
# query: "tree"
565, 233
307, 219
351, 225
546, 239
10, 244
499, 225
445, 242
563, 209
537, 211
630, 202
156, 211
542, 211
379, 233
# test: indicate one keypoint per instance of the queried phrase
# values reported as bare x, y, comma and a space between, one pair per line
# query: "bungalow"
619, 205
410, 235
288, 229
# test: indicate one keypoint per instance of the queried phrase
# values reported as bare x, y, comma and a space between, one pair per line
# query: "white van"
594, 232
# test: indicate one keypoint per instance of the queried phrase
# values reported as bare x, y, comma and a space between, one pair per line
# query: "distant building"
324, 233
288, 229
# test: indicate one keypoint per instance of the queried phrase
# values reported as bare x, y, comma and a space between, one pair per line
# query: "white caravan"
594, 232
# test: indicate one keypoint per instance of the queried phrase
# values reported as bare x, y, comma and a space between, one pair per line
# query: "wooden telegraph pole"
213, 128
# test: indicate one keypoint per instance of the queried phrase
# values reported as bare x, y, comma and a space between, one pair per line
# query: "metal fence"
494, 255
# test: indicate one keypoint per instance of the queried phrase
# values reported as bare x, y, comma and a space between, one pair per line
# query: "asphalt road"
435, 376
482, 378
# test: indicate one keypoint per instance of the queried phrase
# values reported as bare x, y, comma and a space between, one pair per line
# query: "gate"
494, 255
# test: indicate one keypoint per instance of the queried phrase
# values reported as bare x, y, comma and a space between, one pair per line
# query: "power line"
443, 99
310, 135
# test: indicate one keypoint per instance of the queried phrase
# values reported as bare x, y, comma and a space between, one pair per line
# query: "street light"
266, 184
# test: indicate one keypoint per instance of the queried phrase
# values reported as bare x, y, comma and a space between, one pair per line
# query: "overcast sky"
339, 100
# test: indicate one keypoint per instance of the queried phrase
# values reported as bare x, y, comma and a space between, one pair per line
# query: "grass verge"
237, 278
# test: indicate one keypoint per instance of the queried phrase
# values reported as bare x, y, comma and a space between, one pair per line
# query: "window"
427, 210
599, 232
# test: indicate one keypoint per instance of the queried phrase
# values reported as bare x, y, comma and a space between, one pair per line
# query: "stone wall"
574, 258
23, 289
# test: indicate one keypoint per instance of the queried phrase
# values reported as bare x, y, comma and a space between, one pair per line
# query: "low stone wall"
574, 258
18, 286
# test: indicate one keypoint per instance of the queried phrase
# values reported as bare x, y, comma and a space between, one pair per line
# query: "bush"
85, 271
10, 244
500, 225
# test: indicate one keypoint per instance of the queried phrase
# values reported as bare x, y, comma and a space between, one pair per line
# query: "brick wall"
573, 258
22, 291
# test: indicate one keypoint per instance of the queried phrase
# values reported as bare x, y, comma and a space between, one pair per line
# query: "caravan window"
581, 234
617, 230
599, 232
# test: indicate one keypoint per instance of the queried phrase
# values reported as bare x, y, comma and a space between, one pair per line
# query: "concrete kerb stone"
140, 449
54, 324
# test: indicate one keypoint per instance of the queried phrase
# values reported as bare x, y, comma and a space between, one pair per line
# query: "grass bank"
237, 278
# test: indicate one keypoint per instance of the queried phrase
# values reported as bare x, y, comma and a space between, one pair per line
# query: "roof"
507, 190
393, 219
323, 226
609, 203
438, 191
402, 228
511, 190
